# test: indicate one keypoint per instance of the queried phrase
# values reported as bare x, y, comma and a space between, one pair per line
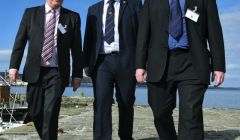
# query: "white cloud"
233, 66
232, 76
5, 56
4, 53
231, 29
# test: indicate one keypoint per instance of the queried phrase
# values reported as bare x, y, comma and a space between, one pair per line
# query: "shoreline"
81, 100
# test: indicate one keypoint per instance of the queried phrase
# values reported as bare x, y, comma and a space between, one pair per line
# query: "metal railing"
9, 110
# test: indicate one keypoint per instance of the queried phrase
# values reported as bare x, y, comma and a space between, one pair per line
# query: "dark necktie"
48, 43
109, 25
176, 21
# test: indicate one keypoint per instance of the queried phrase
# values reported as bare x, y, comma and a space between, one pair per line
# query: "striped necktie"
109, 26
48, 44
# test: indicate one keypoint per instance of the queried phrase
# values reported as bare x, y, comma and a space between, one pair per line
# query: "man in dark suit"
109, 52
173, 48
51, 32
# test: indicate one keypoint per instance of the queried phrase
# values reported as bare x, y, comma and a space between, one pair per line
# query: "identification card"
61, 28
191, 14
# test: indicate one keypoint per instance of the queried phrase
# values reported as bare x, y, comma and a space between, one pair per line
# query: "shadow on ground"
215, 135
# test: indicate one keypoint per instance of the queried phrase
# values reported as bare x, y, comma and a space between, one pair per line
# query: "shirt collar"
106, 1
48, 8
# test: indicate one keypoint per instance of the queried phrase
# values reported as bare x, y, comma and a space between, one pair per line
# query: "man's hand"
218, 77
13, 75
76, 82
141, 75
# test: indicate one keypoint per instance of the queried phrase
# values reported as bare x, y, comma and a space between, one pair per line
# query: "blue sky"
11, 13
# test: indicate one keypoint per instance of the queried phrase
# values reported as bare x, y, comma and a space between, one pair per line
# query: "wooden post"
4, 94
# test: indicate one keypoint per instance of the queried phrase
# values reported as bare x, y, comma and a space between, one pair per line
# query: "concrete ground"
76, 124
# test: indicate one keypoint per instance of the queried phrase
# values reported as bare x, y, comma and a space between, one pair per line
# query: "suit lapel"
187, 4
99, 25
41, 14
62, 20
166, 7
166, 3
100, 15
123, 4
41, 21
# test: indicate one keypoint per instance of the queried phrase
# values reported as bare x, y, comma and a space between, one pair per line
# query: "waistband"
48, 68
178, 51
113, 53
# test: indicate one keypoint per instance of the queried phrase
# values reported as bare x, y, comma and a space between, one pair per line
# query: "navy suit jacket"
152, 44
128, 28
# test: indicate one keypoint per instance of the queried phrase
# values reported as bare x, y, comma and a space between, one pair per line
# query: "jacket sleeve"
20, 42
143, 37
76, 50
215, 37
87, 41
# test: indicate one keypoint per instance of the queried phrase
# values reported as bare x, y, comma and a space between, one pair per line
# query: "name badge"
62, 29
192, 14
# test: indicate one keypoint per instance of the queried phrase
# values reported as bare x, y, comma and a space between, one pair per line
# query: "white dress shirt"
114, 46
53, 62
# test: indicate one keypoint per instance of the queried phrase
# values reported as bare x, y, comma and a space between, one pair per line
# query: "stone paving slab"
220, 124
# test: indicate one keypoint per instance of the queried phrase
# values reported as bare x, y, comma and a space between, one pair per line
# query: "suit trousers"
44, 100
179, 76
107, 75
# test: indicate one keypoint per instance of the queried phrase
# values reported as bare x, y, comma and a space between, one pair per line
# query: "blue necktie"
176, 21
109, 25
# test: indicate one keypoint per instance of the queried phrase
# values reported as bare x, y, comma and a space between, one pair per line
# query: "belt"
48, 68
114, 53
178, 50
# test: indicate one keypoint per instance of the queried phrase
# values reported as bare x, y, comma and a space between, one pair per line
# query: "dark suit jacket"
128, 28
31, 30
152, 44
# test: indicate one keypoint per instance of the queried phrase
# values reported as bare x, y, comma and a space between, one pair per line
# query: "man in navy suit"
109, 58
